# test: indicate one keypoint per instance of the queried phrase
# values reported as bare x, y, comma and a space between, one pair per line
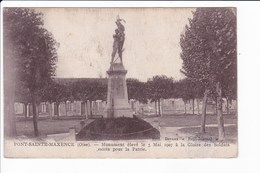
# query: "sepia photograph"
126, 82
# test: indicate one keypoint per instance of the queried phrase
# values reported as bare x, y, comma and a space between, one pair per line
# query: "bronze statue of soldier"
119, 38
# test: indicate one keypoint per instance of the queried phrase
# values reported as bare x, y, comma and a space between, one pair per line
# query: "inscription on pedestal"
117, 87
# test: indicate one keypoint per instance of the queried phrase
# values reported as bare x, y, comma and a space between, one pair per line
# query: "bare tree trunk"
9, 82
155, 108
35, 119
227, 106
29, 110
193, 106
50, 110
25, 110
83, 109
87, 109
9, 119
90, 107
185, 111
57, 108
198, 106
9, 95
159, 107
204, 111
66, 108
221, 132
216, 107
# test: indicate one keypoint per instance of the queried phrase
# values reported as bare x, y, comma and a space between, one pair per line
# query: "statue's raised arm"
120, 26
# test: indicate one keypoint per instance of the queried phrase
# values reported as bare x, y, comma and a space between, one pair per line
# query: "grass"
46, 127
118, 129
190, 125
193, 120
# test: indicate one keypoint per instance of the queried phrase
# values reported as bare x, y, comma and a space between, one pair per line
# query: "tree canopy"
209, 46
137, 90
188, 89
34, 47
159, 87
30, 54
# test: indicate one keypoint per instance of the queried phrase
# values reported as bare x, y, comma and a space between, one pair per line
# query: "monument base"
117, 96
115, 113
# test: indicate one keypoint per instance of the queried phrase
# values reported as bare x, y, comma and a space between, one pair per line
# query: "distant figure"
119, 38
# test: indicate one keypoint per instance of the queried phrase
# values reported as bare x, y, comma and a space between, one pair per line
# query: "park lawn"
193, 120
46, 127
189, 125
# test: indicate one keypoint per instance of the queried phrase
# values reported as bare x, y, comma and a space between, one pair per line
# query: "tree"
188, 89
209, 54
136, 90
97, 91
22, 96
159, 87
91, 90
230, 92
183, 91
56, 93
33, 62
80, 92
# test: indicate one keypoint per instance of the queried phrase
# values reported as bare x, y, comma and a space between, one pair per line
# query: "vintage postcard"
120, 82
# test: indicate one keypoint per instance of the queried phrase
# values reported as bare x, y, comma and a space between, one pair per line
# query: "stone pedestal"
117, 97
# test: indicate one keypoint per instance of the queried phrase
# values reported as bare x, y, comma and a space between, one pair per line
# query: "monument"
117, 96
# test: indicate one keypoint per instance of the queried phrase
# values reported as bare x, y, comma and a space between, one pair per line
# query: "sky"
85, 37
